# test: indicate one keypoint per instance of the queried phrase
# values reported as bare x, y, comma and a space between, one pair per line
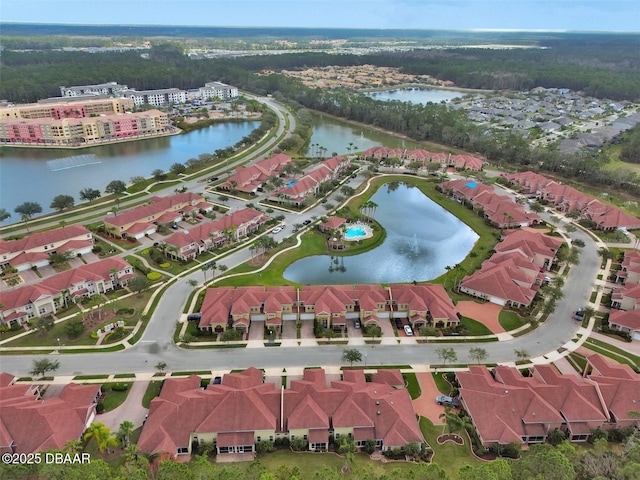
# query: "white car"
407, 330
276, 230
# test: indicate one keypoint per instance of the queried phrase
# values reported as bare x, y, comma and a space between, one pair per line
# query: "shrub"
125, 311
153, 276
369, 446
265, 446
164, 265
99, 407
119, 387
96, 249
145, 251
299, 444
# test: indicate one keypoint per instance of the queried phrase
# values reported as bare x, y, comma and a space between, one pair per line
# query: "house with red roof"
567, 199
188, 244
507, 407
243, 411
626, 298
332, 223
627, 322
464, 190
629, 272
34, 249
44, 298
29, 424
249, 178
619, 387
465, 162
423, 304
144, 219
512, 275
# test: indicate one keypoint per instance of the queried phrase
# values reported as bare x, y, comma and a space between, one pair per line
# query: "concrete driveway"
425, 405
131, 409
388, 334
485, 313
307, 338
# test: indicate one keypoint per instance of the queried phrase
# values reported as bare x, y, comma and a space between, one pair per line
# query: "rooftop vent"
378, 412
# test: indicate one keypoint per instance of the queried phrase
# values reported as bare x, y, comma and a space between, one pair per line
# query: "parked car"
324, 200
356, 323
175, 226
306, 222
276, 230
446, 400
578, 315
199, 217
399, 324
408, 331
353, 175
217, 380
213, 179
294, 230
194, 317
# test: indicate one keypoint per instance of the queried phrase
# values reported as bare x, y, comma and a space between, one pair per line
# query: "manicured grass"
474, 328
153, 390
187, 373
510, 320
615, 350
413, 387
578, 361
124, 375
443, 385
90, 377
112, 398
449, 456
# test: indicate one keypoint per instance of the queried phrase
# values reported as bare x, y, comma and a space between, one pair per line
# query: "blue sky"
583, 15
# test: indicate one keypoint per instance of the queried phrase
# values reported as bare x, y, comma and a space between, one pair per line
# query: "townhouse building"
67, 108
459, 162
507, 407
248, 179
188, 244
144, 219
297, 191
626, 322
243, 411
43, 299
34, 249
569, 200
29, 424
332, 306
513, 274
218, 90
629, 273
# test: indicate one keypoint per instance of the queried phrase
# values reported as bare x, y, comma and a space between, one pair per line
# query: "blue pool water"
353, 232
291, 183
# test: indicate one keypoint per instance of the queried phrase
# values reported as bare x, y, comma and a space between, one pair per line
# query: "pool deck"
368, 232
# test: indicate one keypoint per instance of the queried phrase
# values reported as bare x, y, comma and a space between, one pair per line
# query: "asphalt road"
156, 344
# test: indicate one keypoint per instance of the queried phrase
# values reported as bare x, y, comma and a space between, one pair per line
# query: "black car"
213, 179
217, 381
306, 222
399, 324
324, 200
194, 317
353, 175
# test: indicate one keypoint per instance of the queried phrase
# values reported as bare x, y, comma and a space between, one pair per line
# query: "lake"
39, 175
416, 95
422, 239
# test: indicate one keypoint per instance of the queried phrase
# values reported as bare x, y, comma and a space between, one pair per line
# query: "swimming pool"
354, 232
291, 183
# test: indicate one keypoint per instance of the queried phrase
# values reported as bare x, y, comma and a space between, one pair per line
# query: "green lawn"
443, 385
112, 398
634, 360
413, 387
449, 456
474, 328
510, 320
153, 390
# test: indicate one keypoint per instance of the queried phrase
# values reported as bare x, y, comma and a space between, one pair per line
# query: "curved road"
156, 344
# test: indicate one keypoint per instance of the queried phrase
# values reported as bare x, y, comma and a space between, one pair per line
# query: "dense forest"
35, 75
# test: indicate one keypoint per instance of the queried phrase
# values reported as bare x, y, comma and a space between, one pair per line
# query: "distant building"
218, 90
67, 108
109, 88
157, 98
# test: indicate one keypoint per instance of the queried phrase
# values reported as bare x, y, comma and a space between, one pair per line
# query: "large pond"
416, 95
422, 239
39, 175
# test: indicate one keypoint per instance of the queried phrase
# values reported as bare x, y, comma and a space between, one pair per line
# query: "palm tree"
102, 435
521, 354
124, 433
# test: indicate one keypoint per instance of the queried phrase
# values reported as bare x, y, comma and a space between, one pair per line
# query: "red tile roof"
630, 319
157, 206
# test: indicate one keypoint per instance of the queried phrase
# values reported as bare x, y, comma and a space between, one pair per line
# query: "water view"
422, 239
39, 175
416, 95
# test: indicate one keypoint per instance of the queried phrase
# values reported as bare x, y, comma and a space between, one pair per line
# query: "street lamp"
58, 342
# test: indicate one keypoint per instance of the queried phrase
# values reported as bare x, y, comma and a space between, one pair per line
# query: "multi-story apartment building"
109, 88
218, 90
85, 130
67, 108
157, 98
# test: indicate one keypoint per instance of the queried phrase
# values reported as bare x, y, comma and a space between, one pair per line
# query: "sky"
580, 15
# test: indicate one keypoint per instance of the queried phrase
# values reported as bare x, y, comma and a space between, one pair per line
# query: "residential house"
506, 407
29, 424
332, 223
243, 411
423, 304
45, 298
629, 272
626, 298
34, 249
248, 179
188, 244
627, 322
539, 247
144, 220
